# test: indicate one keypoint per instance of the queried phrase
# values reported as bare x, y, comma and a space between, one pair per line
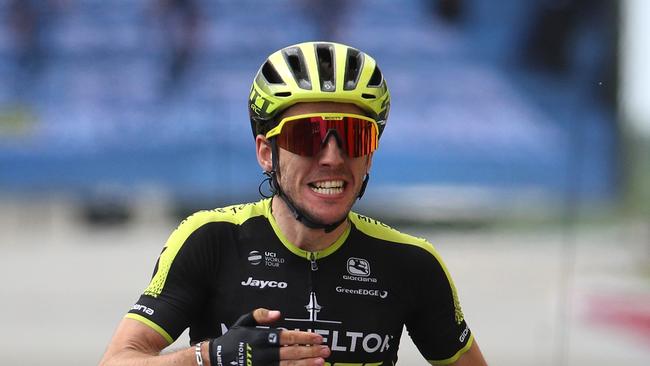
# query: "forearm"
135, 357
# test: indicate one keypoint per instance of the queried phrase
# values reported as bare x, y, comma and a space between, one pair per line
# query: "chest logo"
313, 308
358, 267
254, 257
251, 282
358, 270
270, 259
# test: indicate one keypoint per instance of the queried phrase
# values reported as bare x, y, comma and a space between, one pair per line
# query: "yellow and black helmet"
317, 72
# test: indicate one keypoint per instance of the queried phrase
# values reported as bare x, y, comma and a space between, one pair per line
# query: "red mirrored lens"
305, 136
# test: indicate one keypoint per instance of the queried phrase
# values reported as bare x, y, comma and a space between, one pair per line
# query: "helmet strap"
363, 186
297, 213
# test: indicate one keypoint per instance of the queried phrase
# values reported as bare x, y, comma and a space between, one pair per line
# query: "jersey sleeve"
437, 325
177, 289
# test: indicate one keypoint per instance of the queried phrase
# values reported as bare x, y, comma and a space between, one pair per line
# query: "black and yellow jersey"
358, 293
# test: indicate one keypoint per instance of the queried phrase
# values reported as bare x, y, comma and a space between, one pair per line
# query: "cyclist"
341, 286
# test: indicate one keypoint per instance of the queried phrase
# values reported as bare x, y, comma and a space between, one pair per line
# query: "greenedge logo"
363, 292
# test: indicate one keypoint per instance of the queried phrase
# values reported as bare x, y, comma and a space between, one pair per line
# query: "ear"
264, 153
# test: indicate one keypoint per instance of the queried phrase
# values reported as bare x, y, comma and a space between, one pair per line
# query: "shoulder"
204, 222
191, 243
235, 215
423, 258
378, 230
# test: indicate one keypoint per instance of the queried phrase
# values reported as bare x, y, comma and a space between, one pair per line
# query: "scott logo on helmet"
258, 103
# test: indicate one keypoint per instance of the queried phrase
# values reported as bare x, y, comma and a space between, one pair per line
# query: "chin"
330, 215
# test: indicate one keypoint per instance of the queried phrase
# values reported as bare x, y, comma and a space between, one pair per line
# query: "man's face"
324, 186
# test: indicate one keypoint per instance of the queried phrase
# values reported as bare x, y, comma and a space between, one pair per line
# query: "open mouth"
328, 187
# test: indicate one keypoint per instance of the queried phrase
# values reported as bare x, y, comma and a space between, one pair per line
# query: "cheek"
361, 166
292, 167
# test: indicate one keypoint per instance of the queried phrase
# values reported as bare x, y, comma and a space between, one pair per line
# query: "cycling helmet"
317, 72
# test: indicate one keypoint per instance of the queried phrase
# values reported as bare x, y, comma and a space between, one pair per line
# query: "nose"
331, 154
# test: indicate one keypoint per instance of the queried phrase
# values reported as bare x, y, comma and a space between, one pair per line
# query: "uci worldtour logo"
254, 257
358, 270
270, 259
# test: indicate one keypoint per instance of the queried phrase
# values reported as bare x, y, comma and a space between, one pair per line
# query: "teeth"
329, 184
328, 187
327, 190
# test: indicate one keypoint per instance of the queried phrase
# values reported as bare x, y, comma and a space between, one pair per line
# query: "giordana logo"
270, 259
142, 308
358, 270
254, 257
362, 291
358, 267
263, 283
464, 334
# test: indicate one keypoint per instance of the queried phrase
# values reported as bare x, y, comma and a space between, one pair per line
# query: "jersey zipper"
313, 302
312, 260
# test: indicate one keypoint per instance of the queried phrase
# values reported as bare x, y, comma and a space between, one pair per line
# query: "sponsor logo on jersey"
358, 267
251, 282
313, 308
358, 270
339, 340
464, 334
362, 291
347, 341
254, 257
270, 259
142, 308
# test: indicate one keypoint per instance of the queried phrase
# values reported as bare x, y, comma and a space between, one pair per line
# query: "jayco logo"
263, 283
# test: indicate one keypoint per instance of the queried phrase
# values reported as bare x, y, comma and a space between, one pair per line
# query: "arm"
135, 344
437, 325
473, 357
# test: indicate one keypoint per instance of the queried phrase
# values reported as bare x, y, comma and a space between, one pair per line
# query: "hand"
245, 343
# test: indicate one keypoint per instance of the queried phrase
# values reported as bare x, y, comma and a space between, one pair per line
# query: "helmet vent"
352, 69
283, 94
367, 96
271, 74
324, 53
376, 78
296, 62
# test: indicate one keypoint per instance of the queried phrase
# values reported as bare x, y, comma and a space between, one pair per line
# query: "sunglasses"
306, 134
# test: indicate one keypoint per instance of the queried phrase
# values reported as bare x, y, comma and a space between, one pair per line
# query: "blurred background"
518, 143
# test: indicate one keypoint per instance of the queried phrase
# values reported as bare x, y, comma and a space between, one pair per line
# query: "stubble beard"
311, 214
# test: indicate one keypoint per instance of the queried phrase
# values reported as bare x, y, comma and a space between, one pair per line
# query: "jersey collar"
293, 248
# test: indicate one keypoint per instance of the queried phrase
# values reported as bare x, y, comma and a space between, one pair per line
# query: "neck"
298, 234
